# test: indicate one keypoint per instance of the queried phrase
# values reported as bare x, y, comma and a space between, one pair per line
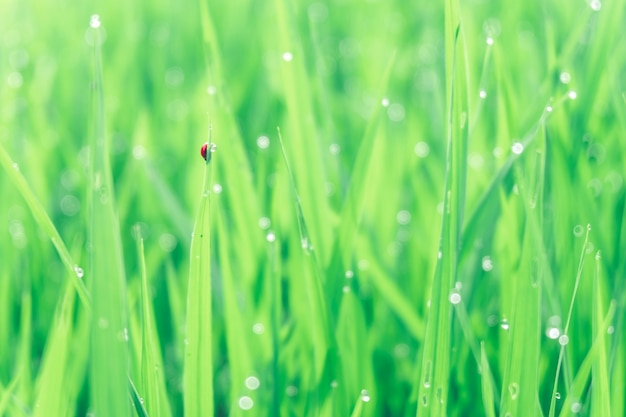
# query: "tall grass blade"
435, 361
109, 362
198, 361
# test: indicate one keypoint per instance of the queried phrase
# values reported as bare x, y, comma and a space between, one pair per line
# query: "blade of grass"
198, 361
520, 384
600, 388
435, 362
51, 393
44, 221
324, 344
568, 322
153, 382
487, 384
572, 404
109, 350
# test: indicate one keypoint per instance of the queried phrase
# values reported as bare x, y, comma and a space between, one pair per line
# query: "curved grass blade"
198, 361
44, 221
109, 350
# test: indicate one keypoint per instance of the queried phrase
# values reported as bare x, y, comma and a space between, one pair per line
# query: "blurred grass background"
321, 301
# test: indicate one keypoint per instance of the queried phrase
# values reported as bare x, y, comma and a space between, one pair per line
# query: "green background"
441, 233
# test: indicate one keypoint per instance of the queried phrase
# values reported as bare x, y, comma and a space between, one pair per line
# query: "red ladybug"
203, 150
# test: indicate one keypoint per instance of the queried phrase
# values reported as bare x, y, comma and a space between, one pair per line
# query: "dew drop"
549, 109
365, 396
349, 274
291, 390
346, 289
252, 383
514, 390
517, 148
264, 223
572, 95
94, 21
428, 369
258, 328
334, 149
79, 271
16, 166
211, 90
421, 149
217, 188
403, 217
482, 94
557, 395
334, 384
579, 230
576, 407
504, 323
595, 5
385, 102
455, 298
565, 77
563, 340
287, 56
270, 237
487, 263
424, 401
245, 403
489, 41
263, 142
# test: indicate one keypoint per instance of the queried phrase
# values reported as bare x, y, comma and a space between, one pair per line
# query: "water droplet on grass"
487, 263
264, 223
403, 217
79, 271
245, 403
421, 149
217, 188
428, 369
504, 323
576, 407
211, 90
263, 142
579, 230
514, 390
549, 109
270, 237
252, 382
385, 102
455, 298
595, 5
365, 396
334, 149
517, 148
287, 56
139, 152
557, 395
258, 328
489, 41
349, 274
94, 21
565, 77
563, 340
334, 384
482, 94
572, 95
291, 391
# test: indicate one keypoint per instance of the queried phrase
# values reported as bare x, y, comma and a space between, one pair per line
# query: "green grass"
415, 208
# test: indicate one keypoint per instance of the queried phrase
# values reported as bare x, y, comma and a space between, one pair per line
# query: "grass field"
413, 208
